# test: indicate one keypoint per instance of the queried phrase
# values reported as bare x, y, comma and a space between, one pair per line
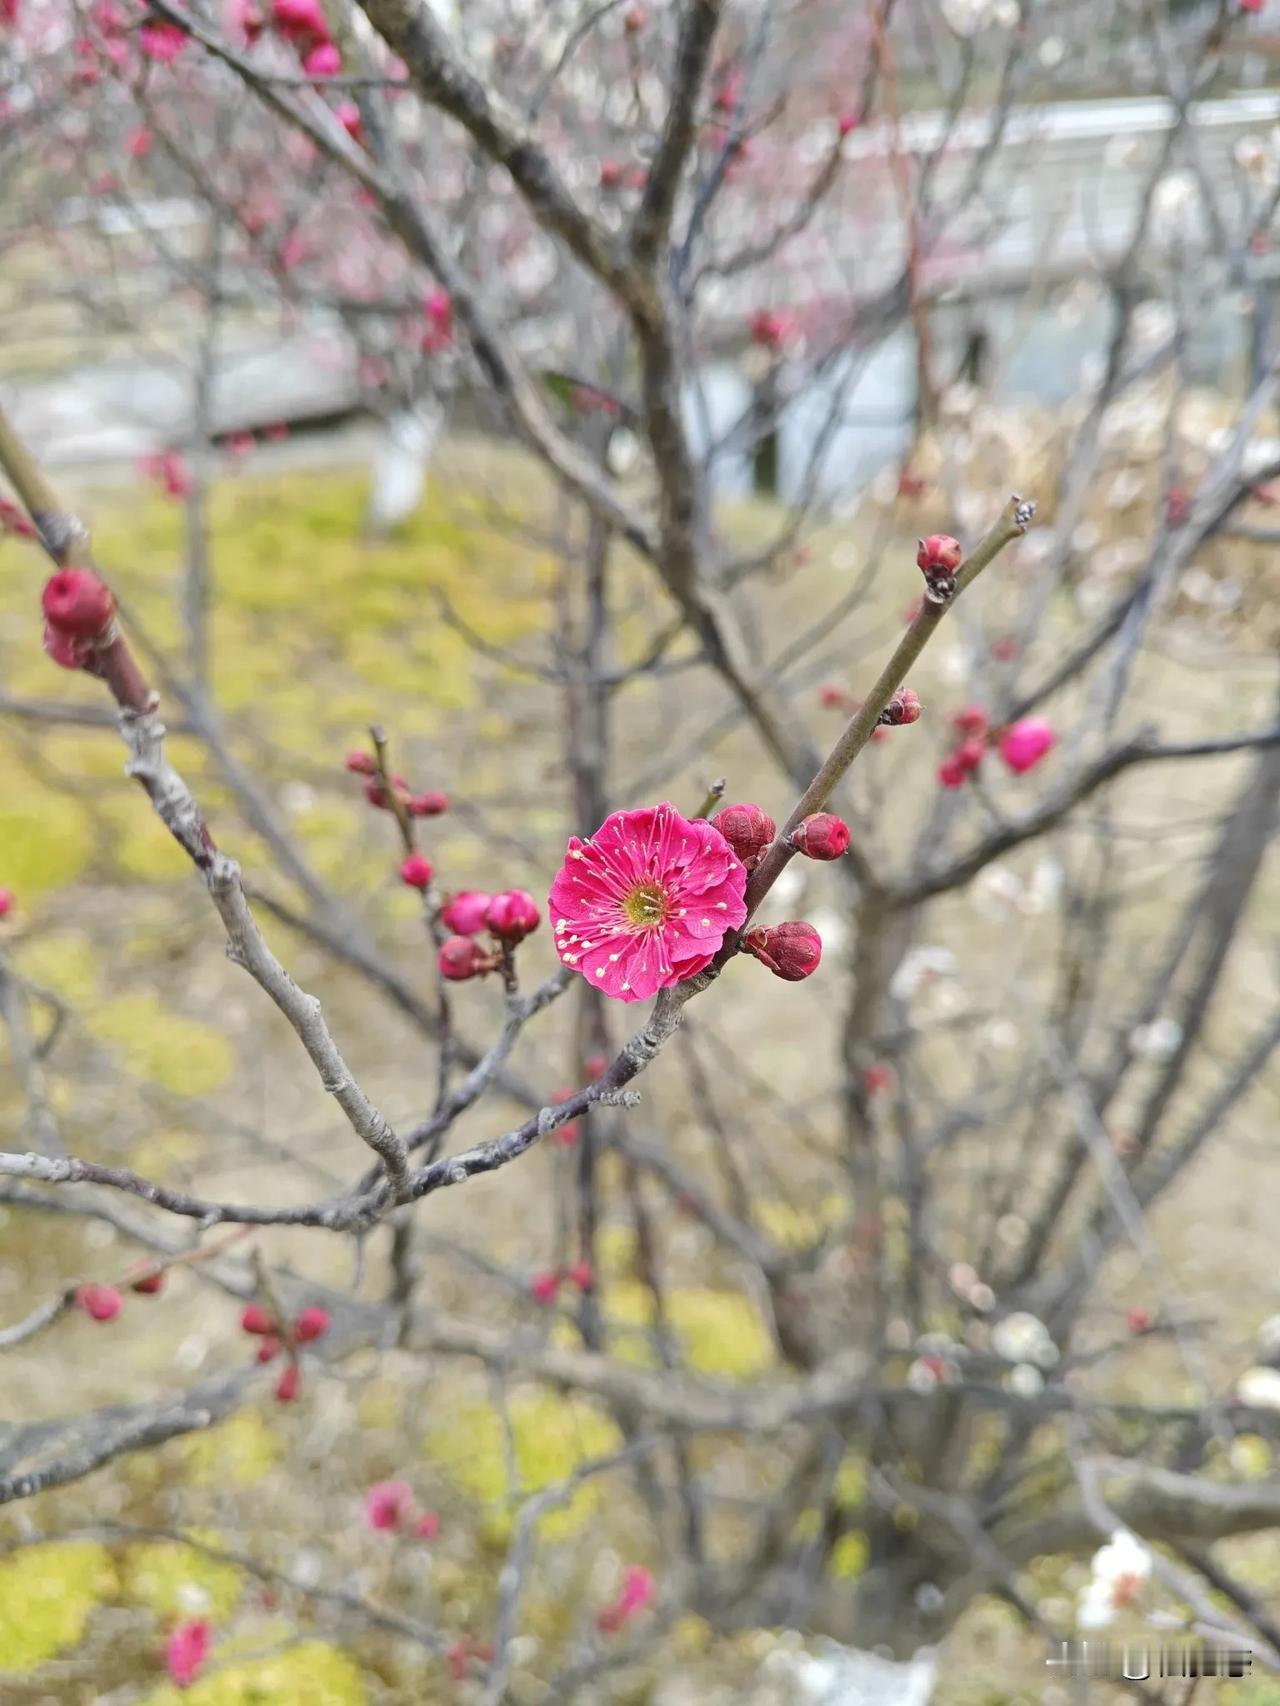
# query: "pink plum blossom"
1024, 744
635, 1593
387, 1504
646, 901
186, 1652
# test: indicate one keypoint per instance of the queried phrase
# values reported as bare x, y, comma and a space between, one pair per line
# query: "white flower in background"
1025, 1380
1259, 1388
918, 967
926, 1373
297, 797
1005, 14
1269, 1336
1000, 1033
624, 451
1156, 1041
1019, 1337
193, 1599
1174, 202
982, 1298
1053, 50
967, 17
1120, 1572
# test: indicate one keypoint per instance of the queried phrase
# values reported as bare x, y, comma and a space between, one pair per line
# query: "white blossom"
1025, 1380
917, 967
1119, 1574
1019, 1337
1156, 1041
1260, 1388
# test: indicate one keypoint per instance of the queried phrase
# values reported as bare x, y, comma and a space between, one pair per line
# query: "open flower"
1120, 1571
646, 901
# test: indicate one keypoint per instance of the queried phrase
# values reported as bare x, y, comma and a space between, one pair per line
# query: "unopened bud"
903, 708
748, 830
791, 951
821, 836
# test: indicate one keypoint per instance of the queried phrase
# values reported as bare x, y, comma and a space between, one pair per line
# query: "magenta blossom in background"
646, 901
186, 1651
1024, 744
162, 42
635, 1593
388, 1504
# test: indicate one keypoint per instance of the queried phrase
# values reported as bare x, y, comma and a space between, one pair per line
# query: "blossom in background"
919, 966
1120, 1572
646, 901
1260, 1388
186, 1652
1156, 1041
1023, 744
635, 1593
387, 1504
1023, 1337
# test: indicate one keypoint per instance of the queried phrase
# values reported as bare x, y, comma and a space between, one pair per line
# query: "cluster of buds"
1021, 745
938, 557
791, 951
301, 23
168, 469
79, 617
508, 917
544, 1287
309, 1324
429, 804
389, 1506
748, 829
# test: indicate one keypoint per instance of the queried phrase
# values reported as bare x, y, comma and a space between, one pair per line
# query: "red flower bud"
595, 1066
347, 114
635, 19
427, 1526
79, 603
969, 754
324, 60
268, 1348
1139, 1320
102, 1302
149, 1284
289, 1384
65, 649
377, 795
464, 913
903, 708
610, 174
939, 551
771, 328
791, 951
832, 697
462, 957
544, 1286
1024, 744
428, 804
972, 720
952, 773
877, 1078
361, 764
581, 1274
313, 1323
821, 836
513, 915
416, 871
7, 902
847, 122
748, 830
257, 1319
